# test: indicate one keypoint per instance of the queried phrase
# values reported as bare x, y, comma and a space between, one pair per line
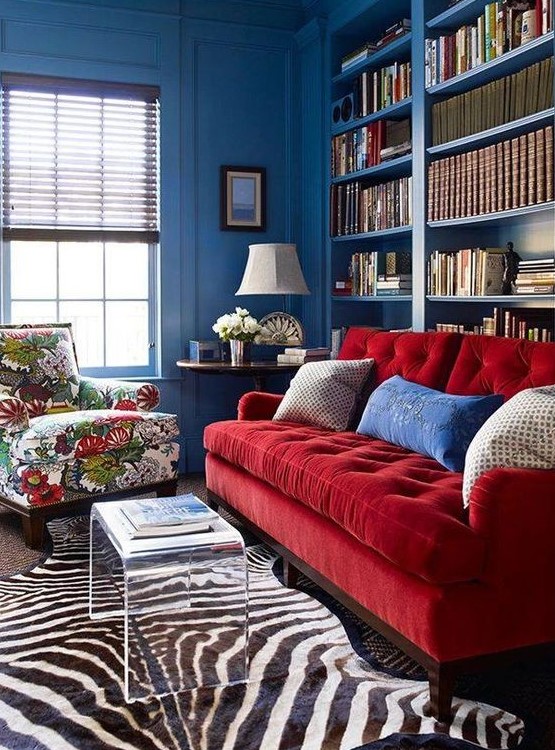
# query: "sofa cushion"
325, 394
427, 421
425, 358
491, 364
521, 434
401, 504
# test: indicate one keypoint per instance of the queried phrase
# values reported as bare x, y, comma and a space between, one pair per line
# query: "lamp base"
284, 330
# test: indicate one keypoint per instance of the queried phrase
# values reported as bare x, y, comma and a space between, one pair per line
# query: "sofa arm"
257, 405
514, 511
101, 393
13, 415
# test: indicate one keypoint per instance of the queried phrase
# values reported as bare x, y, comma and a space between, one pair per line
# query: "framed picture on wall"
243, 198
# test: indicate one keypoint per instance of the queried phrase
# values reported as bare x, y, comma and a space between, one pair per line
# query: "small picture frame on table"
243, 198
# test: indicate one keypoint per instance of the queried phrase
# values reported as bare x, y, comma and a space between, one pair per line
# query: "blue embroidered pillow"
436, 424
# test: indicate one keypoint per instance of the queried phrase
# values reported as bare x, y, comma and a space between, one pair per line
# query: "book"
299, 359
166, 516
306, 352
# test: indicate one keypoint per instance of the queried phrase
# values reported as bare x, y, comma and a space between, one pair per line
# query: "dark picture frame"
243, 198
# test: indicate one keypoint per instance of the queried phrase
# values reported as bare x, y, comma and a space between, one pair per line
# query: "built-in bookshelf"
479, 173
370, 169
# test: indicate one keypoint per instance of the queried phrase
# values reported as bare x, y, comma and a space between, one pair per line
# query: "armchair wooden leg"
33, 532
167, 489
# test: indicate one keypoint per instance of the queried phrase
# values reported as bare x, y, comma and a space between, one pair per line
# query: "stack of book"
166, 516
503, 26
498, 102
398, 29
500, 177
355, 208
394, 284
357, 56
295, 356
536, 276
471, 272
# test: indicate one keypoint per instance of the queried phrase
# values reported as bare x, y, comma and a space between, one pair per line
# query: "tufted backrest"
491, 364
38, 365
424, 358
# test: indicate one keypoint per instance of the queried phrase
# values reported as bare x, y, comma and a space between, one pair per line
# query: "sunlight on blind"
79, 161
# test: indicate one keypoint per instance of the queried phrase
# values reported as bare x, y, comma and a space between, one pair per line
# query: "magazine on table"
183, 514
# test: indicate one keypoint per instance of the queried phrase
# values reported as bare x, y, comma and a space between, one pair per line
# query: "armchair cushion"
38, 366
100, 393
62, 437
67, 456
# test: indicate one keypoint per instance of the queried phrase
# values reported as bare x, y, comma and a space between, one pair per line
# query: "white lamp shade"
273, 269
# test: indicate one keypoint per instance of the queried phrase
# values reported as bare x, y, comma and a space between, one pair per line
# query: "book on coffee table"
165, 516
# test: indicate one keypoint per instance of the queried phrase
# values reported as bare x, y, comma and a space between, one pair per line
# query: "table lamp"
274, 268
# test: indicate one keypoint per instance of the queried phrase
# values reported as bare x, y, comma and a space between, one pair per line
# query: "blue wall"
228, 96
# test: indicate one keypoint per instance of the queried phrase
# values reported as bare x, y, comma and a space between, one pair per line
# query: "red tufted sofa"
383, 529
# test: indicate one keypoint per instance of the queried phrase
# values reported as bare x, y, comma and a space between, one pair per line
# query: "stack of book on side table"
167, 516
536, 276
296, 356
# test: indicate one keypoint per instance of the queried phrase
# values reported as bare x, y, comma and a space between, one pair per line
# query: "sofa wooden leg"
33, 532
167, 489
442, 680
290, 574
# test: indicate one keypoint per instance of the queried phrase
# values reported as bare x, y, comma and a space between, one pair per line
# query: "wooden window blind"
80, 160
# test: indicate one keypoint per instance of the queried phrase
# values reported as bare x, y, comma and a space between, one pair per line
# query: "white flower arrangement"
239, 326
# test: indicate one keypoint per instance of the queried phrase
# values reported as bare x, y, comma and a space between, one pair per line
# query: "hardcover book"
165, 516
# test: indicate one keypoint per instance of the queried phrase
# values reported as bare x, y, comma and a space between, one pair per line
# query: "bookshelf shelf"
393, 232
485, 137
374, 298
495, 299
510, 62
498, 216
391, 168
390, 53
400, 109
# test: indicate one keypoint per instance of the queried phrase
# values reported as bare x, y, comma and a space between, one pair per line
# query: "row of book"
503, 176
536, 276
356, 209
497, 103
375, 90
532, 324
470, 272
358, 55
368, 146
366, 281
502, 27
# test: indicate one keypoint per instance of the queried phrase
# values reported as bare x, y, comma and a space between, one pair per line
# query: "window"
80, 215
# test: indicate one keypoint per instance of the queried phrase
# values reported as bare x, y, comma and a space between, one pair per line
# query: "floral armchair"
67, 440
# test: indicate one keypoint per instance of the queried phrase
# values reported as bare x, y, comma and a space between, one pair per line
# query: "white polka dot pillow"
325, 394
520, 434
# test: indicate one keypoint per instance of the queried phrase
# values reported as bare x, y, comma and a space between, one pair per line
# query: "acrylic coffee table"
183, 598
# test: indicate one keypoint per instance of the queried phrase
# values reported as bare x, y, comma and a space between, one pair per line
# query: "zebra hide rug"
61, 676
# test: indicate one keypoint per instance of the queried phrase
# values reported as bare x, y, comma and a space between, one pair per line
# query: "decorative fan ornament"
284, 329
